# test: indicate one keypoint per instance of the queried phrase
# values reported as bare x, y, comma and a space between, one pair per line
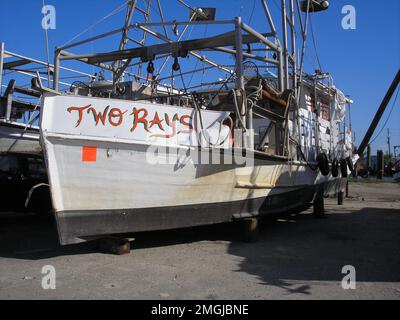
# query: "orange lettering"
99, 116
116, 113
185, 123
137, 119
156, 121
80, 112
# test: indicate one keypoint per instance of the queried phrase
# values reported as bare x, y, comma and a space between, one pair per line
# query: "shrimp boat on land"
149, 150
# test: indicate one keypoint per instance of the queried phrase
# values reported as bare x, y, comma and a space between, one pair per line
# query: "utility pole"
395, 151
388, 142
380, 165
369, 158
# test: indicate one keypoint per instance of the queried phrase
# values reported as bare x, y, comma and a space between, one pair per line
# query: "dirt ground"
297, 257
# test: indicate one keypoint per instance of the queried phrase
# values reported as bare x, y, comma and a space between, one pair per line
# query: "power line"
387, 120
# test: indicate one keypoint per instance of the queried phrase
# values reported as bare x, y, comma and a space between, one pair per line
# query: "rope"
200, 117
238, 110
219, 91
303, 156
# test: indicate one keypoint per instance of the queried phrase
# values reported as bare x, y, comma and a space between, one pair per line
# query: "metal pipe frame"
138, 25
303, 50
1, 65
244, 27
61, 54
179, 39
247, 55
293, 38
283, 62
128, 19
147, 18
285, 45
15, 55
269, 16
182, 23
56, 74
127, 27
247, 135
192, 53
68, 56
142, 26
258, 35
188, 72
189, 7
4, 53
41, 78
124, 40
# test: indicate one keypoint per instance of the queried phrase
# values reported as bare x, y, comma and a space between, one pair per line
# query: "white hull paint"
123, 184
122, 178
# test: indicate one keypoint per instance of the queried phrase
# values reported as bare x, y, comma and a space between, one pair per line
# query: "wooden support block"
117, 246
250, 230
340, 198
319, 206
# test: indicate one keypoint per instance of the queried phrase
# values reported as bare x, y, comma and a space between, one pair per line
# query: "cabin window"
324, 108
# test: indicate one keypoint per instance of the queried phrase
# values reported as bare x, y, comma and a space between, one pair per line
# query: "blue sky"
363, 62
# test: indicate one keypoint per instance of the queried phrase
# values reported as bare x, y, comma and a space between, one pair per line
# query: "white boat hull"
123, 189
121, 192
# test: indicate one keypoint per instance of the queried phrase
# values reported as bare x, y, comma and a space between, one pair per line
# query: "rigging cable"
112, 13
314, 44
197, 62
387, 120
46, 36
252, 11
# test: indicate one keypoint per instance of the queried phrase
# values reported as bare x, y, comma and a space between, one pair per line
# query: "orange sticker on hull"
89, 154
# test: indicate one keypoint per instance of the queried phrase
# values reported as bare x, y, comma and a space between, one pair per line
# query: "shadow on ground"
27, 236
290, 249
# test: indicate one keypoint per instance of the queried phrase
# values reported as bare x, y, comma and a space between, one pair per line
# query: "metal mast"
117, 65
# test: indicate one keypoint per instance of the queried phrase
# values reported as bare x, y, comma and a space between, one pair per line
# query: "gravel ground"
297, 257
